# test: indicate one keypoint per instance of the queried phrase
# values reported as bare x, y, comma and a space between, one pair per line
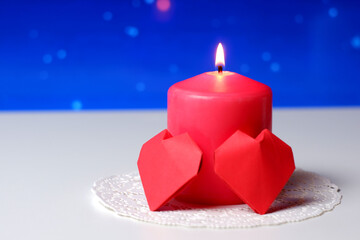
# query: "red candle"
210, 107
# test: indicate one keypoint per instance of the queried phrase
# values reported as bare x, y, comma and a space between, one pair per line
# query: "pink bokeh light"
163, 5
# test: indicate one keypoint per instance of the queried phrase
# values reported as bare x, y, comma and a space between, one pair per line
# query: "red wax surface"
210, 107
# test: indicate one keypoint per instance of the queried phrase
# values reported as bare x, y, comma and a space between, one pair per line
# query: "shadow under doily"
306, 195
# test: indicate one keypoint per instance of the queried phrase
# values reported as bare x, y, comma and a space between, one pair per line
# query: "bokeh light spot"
47, 58
173, 68
76, 105
43, 75
266, 56
355, 42
132, 31
61, 54
244, 68
33, 33
163, 5
149, 1
275, 67
333, 12
140, 87
299, 19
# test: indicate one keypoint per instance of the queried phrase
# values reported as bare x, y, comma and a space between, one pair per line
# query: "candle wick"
220, 69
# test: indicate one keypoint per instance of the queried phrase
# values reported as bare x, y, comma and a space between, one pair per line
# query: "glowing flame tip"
220, 59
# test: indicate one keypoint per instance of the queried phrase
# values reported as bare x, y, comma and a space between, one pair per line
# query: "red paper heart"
166, 164
255, 169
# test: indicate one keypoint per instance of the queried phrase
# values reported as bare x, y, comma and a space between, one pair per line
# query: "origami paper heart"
166, 164
255, 169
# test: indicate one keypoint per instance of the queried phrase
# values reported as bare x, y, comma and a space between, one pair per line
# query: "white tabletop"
49, 161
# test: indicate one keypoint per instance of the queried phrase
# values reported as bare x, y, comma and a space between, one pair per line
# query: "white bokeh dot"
355, 42
76, 105
132, 31
266, 56
333, 12
140, 86
244, 68
47, 58
275, 67
107, 15
61, 54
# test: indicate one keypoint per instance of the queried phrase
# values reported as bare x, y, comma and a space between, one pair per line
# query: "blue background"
126, 53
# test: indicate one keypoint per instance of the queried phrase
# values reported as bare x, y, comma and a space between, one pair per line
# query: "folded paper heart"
255, 169
166, 164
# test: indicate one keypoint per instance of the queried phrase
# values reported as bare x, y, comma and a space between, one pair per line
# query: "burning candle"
210, 107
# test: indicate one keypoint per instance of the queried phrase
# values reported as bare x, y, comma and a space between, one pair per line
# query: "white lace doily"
306, 195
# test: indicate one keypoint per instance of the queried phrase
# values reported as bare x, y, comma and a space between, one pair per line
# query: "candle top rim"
214, 83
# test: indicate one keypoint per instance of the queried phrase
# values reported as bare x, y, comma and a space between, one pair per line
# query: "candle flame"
220, 58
